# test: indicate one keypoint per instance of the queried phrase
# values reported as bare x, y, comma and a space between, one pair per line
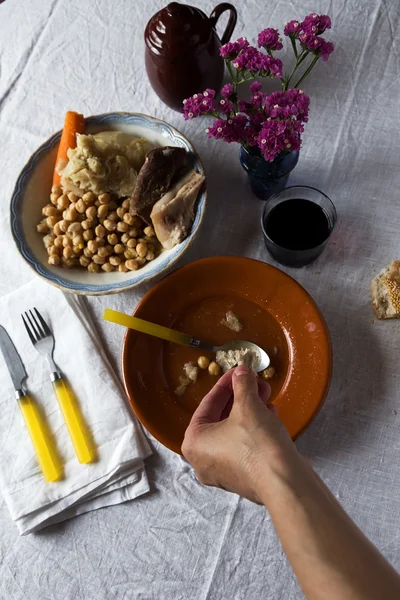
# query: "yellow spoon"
177, 337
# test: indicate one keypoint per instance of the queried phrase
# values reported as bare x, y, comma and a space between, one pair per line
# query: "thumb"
245, 386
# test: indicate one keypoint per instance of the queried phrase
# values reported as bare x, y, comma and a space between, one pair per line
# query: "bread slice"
385, 292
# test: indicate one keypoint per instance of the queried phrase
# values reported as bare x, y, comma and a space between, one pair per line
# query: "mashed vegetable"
104, 162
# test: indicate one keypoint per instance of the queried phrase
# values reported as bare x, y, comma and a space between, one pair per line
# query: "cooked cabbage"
104, 162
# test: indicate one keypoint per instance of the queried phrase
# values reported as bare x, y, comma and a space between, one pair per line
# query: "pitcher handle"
215, 15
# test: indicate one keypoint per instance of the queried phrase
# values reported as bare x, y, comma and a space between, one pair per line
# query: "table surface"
183, 540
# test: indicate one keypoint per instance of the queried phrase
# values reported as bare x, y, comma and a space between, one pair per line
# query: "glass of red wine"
297, 224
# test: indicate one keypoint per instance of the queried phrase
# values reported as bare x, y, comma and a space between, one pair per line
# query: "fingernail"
241, 370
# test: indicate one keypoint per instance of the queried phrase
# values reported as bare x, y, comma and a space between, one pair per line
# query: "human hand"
235, 438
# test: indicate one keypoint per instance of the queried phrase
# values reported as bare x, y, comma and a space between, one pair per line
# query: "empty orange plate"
276, 313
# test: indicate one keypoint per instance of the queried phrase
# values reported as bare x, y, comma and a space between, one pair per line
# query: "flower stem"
294, 47
307, 71
299, 60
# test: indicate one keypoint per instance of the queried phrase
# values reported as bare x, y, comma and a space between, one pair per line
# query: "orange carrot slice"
74, 123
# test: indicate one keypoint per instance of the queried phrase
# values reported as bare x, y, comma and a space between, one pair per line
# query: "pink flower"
269, 38
229, 130
317, 45
292, 28
326, 50
230, 50
199, 104
316, 24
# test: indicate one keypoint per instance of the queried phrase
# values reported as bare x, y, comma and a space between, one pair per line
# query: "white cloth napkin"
119, 473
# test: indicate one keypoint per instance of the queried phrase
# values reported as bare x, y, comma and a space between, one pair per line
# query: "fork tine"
43, 322
37, 325
31, 336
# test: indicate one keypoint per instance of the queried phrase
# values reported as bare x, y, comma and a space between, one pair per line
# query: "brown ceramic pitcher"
182, 51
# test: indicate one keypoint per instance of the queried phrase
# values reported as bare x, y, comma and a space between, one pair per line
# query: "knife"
49, 463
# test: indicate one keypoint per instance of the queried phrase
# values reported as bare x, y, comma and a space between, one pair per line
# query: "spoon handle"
153, 329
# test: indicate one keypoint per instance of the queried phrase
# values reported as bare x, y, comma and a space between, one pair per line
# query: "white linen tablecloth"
184, 541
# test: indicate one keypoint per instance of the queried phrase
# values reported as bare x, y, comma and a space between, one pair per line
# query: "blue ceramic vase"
267, 178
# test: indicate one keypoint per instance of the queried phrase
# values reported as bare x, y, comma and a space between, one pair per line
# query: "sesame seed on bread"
385, 292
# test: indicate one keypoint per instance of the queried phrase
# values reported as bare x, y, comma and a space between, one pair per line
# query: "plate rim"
244, 260
111, 288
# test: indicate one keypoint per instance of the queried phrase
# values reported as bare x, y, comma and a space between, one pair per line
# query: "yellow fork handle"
51, 468
159, 331
74, 422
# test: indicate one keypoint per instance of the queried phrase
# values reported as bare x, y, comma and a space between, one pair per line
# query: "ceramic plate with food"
218, 300
108, 203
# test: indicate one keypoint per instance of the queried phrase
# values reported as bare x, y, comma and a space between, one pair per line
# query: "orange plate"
276, 312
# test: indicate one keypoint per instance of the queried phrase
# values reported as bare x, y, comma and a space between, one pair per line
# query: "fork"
43, 341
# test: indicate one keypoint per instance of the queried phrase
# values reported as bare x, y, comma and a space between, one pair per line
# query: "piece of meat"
173, 214
154, 179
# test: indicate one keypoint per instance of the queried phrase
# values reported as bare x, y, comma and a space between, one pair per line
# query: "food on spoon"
203, 362
191, 370
385, 292
108, 161
173, 214
214, 369
232, 322
74, 123
154, 179
228, 359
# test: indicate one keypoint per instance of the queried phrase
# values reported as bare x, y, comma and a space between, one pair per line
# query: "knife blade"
12, 359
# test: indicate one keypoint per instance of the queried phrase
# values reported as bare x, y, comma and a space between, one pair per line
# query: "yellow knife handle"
51, 467
74, 422
146, 327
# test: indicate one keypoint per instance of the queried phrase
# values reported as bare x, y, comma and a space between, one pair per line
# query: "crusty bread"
385, 292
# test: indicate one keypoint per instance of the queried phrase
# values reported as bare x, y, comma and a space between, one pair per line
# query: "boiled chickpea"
54, 260
110, 225
51, 221
88, 224
112, 239
134, 232
150, 256
87, 253
113, 216
80, 206
49, 211
84, 261
63, 225
68, 262
100, 231
54, 199
72, 197
122, 227
58, 242
122, 268
103, 251
131, 243
66, 241
68, 252
56, 189
63, 202
107, 267
75, 228
141, 261
88, 198
115, 261
88, 235
93, 267
57, 229
126, 203
203, 362
52, 250
149, 231
104, 198
77, 250
97, 203
100, 260
102, 211
129, 219
214, 369
77, 240
121, 211
42, 227
125, 237
91, 212
93, 246
119, 249
141, 249
132, 265
130, 253
70, 214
